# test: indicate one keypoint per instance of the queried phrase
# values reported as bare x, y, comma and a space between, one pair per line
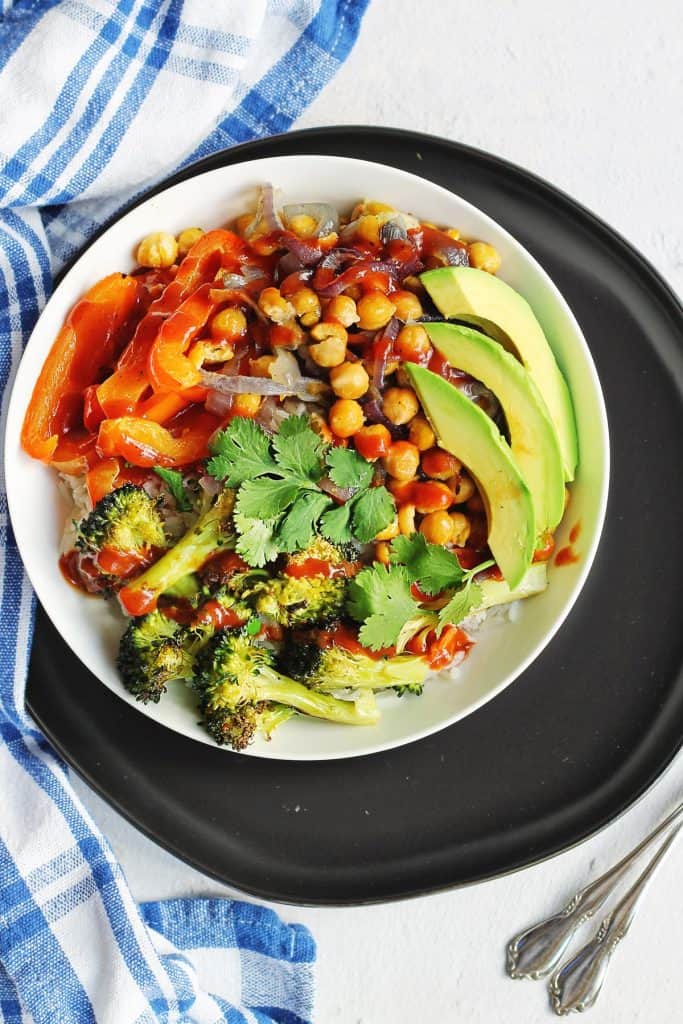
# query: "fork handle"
577, 984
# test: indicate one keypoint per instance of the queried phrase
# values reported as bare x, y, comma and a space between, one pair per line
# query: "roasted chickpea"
372, 442
421, 434
346, 417
230, 323
342, 308
187, 238
302, 225
390, 531
306, 306
453, 233
484, 257
277, 309
246, 405
406, 519
402, 460
261, 367
440, 465
400, 405
368, 228
402, 490
432, 496
329, 346
243, 222
382, 553
437, 528
413, 284
349, 380
408, 306
375, 310
413, 344
374, 206
463, 488
460, 526
354, 291
159, 249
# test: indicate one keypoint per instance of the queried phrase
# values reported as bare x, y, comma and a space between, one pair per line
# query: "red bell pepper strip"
168, 367
75, 451
146, 443
119, 394
87, 343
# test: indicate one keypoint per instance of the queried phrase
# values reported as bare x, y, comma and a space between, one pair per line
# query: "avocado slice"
482, 299
497, 592
465, 431
533, 438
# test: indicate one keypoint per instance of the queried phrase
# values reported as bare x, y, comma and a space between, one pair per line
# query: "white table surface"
588, 95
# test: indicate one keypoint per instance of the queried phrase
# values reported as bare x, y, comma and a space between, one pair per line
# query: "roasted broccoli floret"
152, 652
334, 668
310, 589
212, 531
237, 728
237, 682
126, 520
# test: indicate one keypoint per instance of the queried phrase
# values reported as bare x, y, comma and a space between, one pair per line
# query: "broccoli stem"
272, 686
361, 672
185, 557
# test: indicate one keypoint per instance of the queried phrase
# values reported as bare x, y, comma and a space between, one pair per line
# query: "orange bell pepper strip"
75, 451
146, 443
87, 343
119, 394
168, 367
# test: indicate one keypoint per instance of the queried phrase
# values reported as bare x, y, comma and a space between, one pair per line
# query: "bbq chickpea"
349, 380
406, 519
460, 526
437, 528
342, 308
421, 434
382, 553
375, 310
372, 442
463, 488
440, 465
306, 306
272, 305
187, 238
484, 257
329, 344
346, 417
390, 531
413, 344
246, 405
400, 405
230, 323
159, 249
402, 460
408, 306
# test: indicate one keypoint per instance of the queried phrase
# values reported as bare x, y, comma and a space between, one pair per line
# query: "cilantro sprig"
382, 598
280, 505
176, 485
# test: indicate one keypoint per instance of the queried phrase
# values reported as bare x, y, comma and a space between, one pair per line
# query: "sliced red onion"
393, 229
289, 264
218, 404
306, 388
306, 251
336, 258
210, 485
381, 348
340, 494
355, 274
237, 295
266, 220
271, 415
325, 216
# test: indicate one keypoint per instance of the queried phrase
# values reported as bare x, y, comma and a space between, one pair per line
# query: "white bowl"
503, 650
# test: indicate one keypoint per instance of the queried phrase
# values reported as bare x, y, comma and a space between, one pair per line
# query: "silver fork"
537, 951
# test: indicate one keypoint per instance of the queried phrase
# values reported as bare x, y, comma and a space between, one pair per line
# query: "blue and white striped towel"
99, 99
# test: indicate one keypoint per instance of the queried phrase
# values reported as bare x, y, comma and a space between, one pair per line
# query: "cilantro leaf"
298, 526
255, 543
431, 566
380, 598
253, 626
176, 485
266, 498
348, 468
298, 449
240, 452
373, 510
460, 605
336, 524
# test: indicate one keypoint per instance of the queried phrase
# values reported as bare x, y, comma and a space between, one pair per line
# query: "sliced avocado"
495, 592
482, 299
533, 438
465, 431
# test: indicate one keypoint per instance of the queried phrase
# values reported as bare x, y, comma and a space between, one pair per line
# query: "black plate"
575, 740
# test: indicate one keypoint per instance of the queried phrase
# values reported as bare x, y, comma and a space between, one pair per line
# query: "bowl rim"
25, 379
